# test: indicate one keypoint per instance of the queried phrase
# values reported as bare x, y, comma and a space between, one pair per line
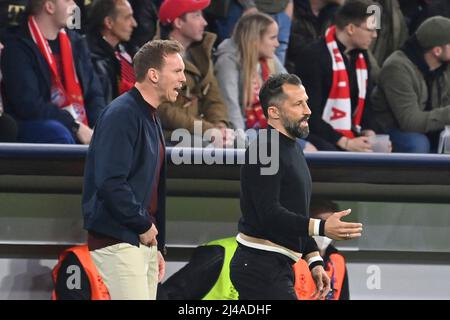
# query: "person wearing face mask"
334, 261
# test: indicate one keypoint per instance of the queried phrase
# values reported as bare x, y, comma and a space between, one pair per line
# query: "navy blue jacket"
120, 171
27, 81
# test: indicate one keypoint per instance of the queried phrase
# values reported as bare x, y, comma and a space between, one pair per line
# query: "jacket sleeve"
20, 75
313, 73
118, 132
228, 77
213, 107
94, 97
397, 84
311, 246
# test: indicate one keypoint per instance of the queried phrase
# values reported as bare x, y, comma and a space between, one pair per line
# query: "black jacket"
106, 65
27, 81
314, 67
121, 170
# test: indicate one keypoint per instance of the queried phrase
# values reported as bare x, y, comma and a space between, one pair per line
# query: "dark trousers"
262, 275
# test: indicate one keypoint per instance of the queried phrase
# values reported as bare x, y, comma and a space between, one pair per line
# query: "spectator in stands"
392, 32
243, 63
281, 12
334, 261
145, 13
49, 83
336, 74
310, 20
200, 100
8, 127
111, 23
412, 99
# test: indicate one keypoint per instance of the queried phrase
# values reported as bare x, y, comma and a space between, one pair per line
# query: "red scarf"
127, 77
68, 96
338, 109
254, 115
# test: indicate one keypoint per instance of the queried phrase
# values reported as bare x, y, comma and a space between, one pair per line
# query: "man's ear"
350, 29
437, 51
178, 23
49, 7
273, 112
153, 75
108, 22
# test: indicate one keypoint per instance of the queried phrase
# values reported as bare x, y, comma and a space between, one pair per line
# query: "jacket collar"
144, 106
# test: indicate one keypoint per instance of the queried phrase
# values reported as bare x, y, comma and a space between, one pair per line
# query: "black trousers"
262, 275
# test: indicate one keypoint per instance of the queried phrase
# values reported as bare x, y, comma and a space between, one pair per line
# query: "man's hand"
161, 266
359, 144
84, 134
148, 238
368, 133
322, 282
339, 230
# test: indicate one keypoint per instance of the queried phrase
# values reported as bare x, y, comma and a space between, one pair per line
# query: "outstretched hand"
340, 230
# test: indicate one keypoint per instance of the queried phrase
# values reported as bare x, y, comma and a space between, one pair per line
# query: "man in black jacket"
49, 85
124, 180
275, 230
336, 72
111, 23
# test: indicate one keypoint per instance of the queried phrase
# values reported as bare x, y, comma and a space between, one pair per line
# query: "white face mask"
322, 242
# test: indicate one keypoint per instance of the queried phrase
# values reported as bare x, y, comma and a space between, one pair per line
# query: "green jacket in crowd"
402, 98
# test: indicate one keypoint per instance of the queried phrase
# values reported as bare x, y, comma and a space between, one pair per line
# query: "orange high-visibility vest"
304, 283
98, 289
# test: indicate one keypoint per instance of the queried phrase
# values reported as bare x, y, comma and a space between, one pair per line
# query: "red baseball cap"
172, 9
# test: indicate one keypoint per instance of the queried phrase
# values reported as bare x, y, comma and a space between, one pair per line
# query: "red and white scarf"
254, 115
127, 77
338, 109
70, 95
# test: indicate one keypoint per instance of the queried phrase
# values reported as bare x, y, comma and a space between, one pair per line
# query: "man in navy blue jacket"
49, 84
124, 180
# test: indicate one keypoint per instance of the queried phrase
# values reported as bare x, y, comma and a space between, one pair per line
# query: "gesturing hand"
339, 230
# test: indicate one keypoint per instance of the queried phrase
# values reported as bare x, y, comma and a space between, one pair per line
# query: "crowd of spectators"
366, 71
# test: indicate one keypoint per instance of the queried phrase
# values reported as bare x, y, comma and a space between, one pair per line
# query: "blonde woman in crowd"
243, 63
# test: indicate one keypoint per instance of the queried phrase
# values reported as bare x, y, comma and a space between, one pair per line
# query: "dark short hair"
151, 55
166, 29
99, 10
34, 7
353, 11
272, 94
